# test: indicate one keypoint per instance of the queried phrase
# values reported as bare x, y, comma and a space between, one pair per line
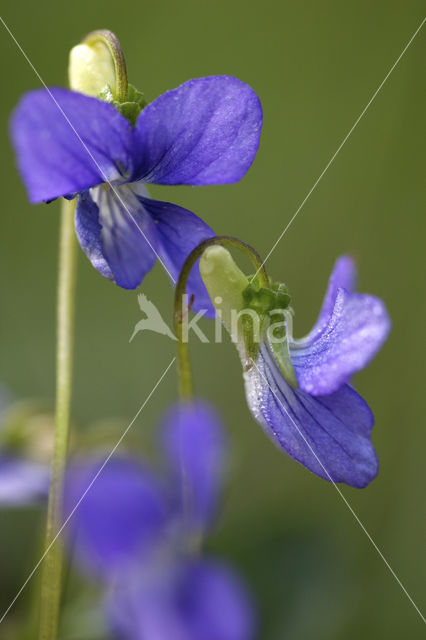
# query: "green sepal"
131, 108
282, 357
251, 346
263, 299
278, 338
231, 291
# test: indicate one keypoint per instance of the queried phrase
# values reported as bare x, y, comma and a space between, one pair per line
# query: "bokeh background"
315, 65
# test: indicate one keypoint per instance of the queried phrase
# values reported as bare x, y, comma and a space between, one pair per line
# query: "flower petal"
88, 232
22, 481
119, 519
194, 444
179, 232
204, 132
116, 234
198, 600
343, 276
66, 142
356, 329
330, 435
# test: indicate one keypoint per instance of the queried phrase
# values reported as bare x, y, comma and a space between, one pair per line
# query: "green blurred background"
315, 65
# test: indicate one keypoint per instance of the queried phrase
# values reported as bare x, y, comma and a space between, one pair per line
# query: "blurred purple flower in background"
190, 599
121, 517
23, 480
140, 532
323, 423
205, 132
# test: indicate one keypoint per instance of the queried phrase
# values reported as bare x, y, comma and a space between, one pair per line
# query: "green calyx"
278, 337
266, 299
97, 67
252, 309
131, 107
272, 304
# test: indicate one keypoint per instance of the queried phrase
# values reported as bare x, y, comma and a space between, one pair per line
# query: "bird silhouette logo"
153, 321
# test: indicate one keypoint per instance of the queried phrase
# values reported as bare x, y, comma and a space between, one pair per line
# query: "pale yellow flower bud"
91, 68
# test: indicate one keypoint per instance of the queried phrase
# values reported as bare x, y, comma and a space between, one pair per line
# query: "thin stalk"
52, 566
112, 43
180, 314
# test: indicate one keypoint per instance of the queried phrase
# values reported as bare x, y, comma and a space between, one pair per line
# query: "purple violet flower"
205, 132
310, 411
137, 531
325, 424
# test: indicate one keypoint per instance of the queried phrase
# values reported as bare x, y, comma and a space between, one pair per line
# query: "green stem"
52, 566
180, 313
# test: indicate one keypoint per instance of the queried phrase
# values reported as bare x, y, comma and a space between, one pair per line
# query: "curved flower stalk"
140, 531
299, 390
205, 132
